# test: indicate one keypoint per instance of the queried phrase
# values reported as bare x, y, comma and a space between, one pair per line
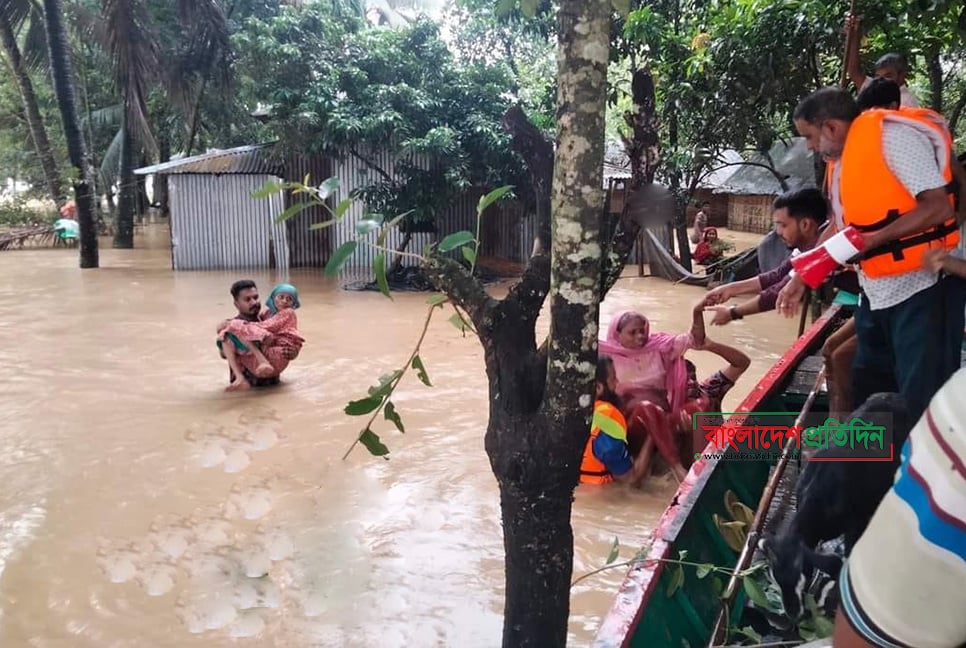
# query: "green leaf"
753, 589
339, 257
469, 254
392, 415
371, 440
717, 586
703, 570
623, 7
342, 208
453, 241
457, 320
683, 554
364, 406
615, 550
676, 580
291, 210
493, 196
367, 225
379, 266
421, 371
318, 226
529, 8
437, 299
328, 187
750, 633
385, 384
270, 188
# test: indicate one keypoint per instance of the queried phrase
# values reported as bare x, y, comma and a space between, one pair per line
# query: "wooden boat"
643, 614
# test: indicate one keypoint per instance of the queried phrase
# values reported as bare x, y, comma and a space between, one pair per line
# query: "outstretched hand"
717, 295
722, 315
790, 297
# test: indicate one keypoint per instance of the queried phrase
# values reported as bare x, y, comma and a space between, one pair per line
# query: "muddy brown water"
143, 506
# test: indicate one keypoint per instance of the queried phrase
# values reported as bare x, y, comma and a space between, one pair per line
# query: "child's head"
892, 66
283, 296
711, 235
606, 379
880, 93
633, 330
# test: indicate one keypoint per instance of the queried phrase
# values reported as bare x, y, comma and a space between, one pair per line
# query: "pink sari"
659, 364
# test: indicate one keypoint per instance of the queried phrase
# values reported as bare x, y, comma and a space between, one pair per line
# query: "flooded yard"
143, 506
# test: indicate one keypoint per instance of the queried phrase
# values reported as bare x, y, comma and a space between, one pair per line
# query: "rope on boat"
751, 542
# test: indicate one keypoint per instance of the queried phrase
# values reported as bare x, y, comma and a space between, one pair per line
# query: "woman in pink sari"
652, 381
260, 347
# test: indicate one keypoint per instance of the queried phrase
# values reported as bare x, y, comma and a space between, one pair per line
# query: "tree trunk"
935, 68
76, 144
127, 195
536, 455
540, 400
161, 196
38, 133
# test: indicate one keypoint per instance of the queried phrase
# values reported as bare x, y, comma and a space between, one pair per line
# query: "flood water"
141, 505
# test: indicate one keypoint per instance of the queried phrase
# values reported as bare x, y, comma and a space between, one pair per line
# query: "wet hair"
240, 285
804, 203
880, 93
825, 104
893, 60
604, 363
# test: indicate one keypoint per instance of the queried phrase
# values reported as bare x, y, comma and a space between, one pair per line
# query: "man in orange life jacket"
893, 182
606, 457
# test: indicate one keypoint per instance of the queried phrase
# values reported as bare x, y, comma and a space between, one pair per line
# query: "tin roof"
792, 159
255, 159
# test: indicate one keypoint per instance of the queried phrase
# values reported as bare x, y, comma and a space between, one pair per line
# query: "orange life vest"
872, 197
609, 420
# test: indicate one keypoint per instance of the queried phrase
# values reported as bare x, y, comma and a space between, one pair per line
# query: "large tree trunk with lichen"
80, 158
38, 132
540, 399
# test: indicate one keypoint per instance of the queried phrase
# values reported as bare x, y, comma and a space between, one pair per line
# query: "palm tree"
63, 77
12, 15
132, 44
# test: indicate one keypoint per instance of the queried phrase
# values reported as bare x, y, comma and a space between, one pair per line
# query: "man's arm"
932, 209
727, 291
725, 314
852, 63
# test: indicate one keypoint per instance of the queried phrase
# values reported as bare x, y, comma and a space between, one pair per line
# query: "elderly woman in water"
263, 347
652, 381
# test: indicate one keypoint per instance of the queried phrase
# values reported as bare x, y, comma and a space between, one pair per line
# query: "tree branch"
466, 291
372, 165
957, 112
532, 289
527, 140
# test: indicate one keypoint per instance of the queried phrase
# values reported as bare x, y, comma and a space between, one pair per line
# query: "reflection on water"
143, 506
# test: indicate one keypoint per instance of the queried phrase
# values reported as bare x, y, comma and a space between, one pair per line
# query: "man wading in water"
245, 294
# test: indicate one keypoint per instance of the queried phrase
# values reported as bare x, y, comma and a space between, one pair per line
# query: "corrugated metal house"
216, 224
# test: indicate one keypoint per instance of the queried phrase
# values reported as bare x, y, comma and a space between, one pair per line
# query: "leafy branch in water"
378, 400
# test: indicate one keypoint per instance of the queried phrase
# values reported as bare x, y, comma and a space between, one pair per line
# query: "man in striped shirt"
905, 582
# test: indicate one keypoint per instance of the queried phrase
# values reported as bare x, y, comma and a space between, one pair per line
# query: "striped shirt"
905, 582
